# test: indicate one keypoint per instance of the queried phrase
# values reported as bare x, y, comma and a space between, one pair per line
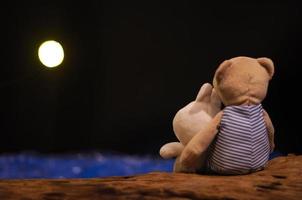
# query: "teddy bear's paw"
179, 168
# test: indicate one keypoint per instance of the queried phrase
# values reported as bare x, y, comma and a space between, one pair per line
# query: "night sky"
131, 65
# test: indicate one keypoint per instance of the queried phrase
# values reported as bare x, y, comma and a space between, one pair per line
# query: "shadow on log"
282, 179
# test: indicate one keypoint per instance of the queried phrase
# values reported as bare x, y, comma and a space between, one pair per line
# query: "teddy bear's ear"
268, 65
221, 70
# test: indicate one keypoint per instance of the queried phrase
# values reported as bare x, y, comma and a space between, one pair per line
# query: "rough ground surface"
282, 179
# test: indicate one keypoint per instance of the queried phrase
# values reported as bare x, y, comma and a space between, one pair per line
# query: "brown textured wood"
282, 179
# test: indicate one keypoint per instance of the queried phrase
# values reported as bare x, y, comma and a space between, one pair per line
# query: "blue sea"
78, 165
81, 165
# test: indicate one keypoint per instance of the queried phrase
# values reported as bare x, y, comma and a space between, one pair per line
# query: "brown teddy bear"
239, 138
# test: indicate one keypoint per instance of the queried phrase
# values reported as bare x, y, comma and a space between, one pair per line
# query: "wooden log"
282, 179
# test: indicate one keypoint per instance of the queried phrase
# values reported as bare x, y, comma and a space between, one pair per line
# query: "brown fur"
238, 81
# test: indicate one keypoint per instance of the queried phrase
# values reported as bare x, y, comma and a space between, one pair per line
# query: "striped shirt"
241, 145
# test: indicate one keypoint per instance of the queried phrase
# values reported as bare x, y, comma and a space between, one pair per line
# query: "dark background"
130, 65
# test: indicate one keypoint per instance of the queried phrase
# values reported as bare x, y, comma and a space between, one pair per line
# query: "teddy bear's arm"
195, 150
270, 130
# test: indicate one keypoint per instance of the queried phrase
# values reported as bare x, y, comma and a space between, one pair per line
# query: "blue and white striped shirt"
241, 145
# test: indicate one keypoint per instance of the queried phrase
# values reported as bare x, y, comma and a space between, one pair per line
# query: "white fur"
191, 119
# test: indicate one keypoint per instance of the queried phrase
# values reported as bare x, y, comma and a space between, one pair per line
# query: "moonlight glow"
51, 53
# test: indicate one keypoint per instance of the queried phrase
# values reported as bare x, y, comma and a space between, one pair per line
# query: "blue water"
81, 165
29, 165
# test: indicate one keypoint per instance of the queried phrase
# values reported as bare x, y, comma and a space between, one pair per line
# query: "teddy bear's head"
243, 80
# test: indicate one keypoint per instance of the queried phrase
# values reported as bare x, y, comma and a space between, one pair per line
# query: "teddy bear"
189, 120
240, 137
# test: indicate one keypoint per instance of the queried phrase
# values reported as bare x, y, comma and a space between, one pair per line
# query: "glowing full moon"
51, 53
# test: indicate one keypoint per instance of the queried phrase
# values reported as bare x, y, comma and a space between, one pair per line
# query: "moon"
51, 53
